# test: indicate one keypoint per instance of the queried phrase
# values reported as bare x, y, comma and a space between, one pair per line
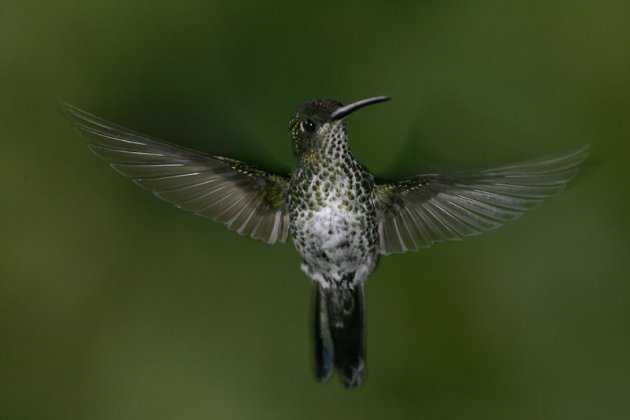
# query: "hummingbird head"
317, 120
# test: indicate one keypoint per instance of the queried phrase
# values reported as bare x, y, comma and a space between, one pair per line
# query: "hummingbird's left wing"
425, 209
247, 200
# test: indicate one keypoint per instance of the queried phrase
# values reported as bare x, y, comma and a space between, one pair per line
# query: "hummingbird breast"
333, 221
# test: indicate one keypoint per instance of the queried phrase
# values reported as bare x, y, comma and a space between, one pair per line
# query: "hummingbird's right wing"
244, 198
425, 209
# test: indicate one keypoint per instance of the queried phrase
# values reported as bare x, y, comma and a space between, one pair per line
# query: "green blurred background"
115, 305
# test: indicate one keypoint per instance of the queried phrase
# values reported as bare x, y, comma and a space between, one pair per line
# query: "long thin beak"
346, 110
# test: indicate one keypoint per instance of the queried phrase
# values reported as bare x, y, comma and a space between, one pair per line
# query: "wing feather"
426, 209
246, 199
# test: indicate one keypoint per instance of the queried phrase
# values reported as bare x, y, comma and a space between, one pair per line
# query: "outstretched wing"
420, 211
247, 200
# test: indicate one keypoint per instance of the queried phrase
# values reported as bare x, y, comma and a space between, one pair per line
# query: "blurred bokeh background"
115, 305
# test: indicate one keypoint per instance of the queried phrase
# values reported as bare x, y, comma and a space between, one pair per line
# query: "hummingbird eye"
308, 126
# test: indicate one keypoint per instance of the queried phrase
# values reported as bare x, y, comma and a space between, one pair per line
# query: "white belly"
333, 246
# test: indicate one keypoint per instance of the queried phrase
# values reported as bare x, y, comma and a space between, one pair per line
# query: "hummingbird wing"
425, 209
244, 198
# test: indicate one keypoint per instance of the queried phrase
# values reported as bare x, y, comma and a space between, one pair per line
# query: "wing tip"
73, 113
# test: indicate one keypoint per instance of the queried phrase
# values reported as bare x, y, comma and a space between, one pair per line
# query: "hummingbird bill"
340, 217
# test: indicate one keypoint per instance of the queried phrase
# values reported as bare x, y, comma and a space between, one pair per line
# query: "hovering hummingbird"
340, 217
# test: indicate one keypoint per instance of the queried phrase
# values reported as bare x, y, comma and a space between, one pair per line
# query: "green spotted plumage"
340, 218
334, 228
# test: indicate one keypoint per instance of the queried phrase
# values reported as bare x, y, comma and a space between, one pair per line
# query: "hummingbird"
341, 218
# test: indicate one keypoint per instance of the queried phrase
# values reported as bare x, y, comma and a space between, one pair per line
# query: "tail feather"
324, 348
340, 334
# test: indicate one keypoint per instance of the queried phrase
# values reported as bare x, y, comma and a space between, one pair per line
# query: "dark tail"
340, 333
